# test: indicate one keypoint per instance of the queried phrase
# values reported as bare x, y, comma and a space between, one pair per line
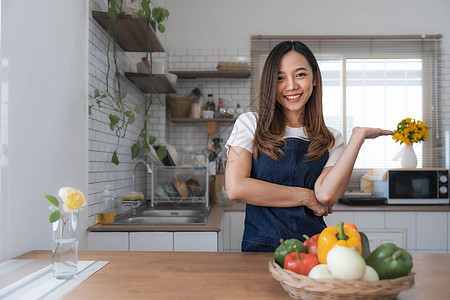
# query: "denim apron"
265, 226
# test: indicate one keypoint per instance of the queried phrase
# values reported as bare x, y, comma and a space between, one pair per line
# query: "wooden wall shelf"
160, 82
185, 120
131, 32
211, 74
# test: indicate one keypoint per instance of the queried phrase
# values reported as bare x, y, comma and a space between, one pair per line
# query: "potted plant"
121, 112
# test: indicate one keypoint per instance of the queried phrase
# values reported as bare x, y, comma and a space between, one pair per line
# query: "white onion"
346, 263
320, 271
370, 274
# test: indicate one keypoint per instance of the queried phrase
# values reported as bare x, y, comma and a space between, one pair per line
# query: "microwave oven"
417, 186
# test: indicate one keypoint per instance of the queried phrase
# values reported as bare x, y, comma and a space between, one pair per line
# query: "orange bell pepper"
350, 225
337, 236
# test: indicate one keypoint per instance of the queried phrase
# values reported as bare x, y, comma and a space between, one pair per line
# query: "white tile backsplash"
232, 90
102, 141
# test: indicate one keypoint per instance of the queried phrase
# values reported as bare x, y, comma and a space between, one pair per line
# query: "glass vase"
65, 246
409, 159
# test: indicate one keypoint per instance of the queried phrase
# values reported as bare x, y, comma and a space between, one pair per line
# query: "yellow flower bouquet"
410, 131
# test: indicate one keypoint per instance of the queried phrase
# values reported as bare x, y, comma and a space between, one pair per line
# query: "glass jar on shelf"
220, 108
196, 109
239, 109
210, 105
230, 112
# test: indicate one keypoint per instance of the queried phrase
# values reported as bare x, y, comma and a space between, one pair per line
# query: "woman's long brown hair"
271, 124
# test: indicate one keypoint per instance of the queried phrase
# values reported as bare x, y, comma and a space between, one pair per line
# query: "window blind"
374, 81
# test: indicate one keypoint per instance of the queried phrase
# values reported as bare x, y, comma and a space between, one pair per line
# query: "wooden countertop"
222, 275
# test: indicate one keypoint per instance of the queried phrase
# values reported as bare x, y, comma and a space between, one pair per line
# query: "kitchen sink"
166, 214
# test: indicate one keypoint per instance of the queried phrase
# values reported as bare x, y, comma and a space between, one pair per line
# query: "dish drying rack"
166, 175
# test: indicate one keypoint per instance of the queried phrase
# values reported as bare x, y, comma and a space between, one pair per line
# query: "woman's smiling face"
295, 83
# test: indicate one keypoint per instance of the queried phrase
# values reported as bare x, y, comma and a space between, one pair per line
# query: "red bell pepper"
300, 263
311, 243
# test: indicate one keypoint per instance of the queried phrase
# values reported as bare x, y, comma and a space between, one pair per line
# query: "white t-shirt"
244, 129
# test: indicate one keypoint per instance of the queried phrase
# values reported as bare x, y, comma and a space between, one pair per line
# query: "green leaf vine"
121, 112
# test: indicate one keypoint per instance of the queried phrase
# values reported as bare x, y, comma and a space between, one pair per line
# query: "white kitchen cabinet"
226, 231
154, 241
236, 230
431, 232
381, 236
233, 230
369, 220
195, 241
335, 217
108, 241
403, 220
151, 241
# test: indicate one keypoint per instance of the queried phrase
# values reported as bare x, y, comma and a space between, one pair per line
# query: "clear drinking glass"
65, 246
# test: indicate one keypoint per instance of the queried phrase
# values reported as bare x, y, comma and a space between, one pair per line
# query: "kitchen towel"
33, 279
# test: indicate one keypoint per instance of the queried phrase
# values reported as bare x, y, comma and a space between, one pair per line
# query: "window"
374, 82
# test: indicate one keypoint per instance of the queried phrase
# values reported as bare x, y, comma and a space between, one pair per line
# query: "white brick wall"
192, 137
102, 141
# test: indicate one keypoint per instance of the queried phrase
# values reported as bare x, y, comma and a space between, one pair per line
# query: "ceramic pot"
409, 159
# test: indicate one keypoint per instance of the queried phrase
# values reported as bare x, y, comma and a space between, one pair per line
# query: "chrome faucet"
140, 161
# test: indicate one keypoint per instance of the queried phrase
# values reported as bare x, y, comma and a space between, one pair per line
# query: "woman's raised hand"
371, 133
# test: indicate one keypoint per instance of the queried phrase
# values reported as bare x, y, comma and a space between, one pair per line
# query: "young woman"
283, 161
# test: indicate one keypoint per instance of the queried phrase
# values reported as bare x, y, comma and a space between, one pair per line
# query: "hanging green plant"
121, 112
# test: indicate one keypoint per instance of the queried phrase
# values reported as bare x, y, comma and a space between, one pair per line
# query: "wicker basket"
304, 287
180, 107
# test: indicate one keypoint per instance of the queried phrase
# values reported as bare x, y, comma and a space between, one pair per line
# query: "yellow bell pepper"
337, 236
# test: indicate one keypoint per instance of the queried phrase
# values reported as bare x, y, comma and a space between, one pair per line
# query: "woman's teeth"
292, 97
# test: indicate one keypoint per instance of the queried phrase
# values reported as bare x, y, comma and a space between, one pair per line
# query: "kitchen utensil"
167, 160
181, 187
157, 67
171, 190
160, 191
173, 154
172, 78
212, 128
194, 187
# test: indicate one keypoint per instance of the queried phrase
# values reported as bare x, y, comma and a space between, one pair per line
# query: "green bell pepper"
390, 261
365, 245
286, 247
